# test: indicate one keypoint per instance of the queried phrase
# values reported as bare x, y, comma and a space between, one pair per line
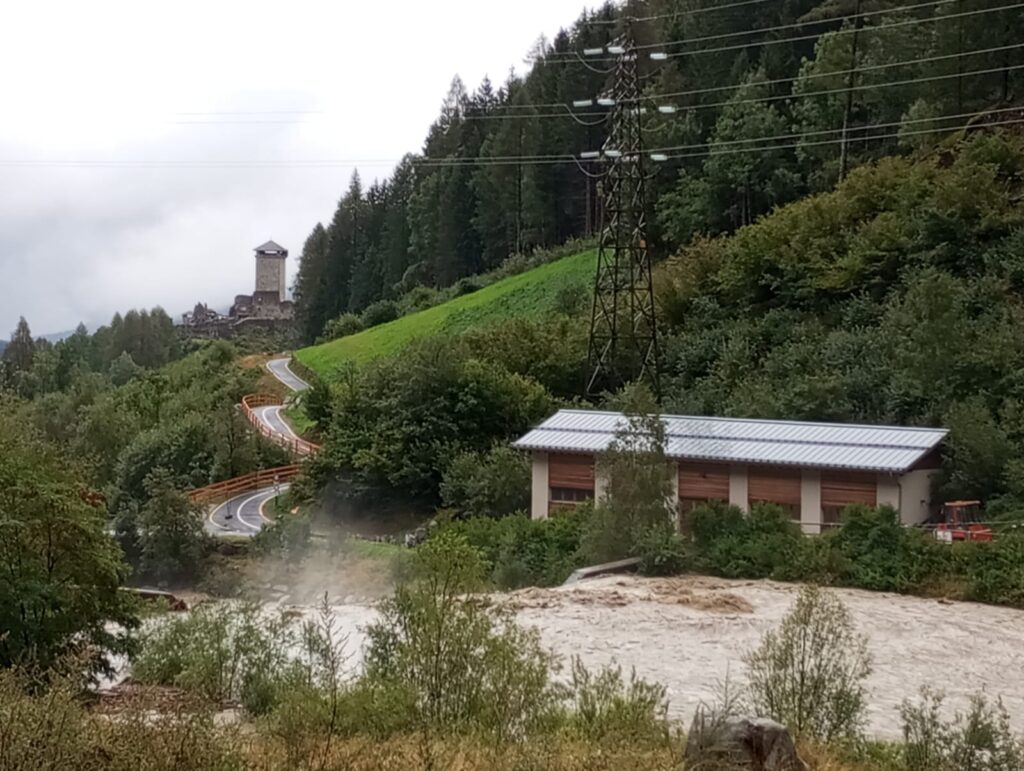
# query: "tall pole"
844, 153
623, 343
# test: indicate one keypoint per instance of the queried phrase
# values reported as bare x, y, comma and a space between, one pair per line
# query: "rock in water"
749, 743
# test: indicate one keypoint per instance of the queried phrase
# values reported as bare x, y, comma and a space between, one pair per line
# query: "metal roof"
271, 246
824, 445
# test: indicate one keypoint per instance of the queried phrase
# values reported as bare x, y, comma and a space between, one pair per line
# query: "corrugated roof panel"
875, 448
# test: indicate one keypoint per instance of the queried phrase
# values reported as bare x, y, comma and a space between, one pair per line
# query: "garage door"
703, 482
773, 484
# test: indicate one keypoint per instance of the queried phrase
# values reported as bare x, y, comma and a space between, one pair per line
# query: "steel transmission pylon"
623, 343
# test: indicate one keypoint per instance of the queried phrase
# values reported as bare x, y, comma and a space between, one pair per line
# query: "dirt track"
688, 633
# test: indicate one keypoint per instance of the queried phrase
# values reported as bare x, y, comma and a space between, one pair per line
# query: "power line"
540, 159
821, 132
797, 25
822, 143
677, 14
801, 38
780, 81
836, 73
783, 97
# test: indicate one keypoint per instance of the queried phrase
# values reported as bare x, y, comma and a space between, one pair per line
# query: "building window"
831, 515
570, 495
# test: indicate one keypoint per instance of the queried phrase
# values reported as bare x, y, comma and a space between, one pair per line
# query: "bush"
341, 326
763, 544
661, 550
467, 285
981, 740
993, 572
572, 299
286, 537
809, 673
491, 484
605, 706
224, 652
52, 729
469, 666
525, 552
419, 298
877, 552
397, 424
379, 312
638, 487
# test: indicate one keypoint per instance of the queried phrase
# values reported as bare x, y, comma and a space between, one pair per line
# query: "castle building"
265, 309
268, 300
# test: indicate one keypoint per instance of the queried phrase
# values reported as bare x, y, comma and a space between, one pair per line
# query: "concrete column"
810, 501
738, 488
888, 491
600, 482
539, 492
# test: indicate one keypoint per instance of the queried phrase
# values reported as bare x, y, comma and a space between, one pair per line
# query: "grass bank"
528, 294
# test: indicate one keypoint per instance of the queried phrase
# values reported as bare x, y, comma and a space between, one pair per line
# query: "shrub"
638, 483
661, 550
418, 298
467, 663
467, 285
379, 312
52, 729
492, 484
763, 544
572, 299
605, 706
525, 552
342, 326
994, 571
981, 740
877, 552
809, 673
222, 651
286, 537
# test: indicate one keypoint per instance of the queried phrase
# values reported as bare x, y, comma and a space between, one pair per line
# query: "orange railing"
248, 483
295, 446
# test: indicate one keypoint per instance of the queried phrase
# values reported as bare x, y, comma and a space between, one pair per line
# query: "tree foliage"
809, 673
62, 573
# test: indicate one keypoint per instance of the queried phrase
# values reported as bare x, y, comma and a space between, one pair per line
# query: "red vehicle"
962, 521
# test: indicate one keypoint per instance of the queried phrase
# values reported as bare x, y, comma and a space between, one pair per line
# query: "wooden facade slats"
773, 484
843, 488
575, 471
703, 481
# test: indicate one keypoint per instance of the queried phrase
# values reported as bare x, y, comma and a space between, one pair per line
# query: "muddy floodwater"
687, 633
691, 633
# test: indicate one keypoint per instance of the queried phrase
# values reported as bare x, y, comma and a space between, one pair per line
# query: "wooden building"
812, 470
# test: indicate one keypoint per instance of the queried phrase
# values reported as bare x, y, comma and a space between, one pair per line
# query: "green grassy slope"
528, 294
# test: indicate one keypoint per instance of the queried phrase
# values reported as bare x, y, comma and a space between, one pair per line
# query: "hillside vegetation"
763, 96
528, 295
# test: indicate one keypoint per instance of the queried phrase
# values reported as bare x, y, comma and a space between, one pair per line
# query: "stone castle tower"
268, 299
270, 259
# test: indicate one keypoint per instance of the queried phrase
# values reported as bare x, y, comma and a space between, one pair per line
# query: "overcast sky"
110, 83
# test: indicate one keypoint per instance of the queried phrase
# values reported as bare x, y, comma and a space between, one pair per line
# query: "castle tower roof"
271, 247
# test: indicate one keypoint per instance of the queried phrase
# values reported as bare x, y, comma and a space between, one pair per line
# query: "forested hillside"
756, 104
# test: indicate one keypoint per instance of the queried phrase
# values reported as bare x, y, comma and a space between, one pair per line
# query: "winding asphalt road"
271, 417
279, 368
244, 514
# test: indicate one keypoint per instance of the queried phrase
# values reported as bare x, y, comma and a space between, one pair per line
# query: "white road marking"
241, 509
264, 503
285, 375
283, 422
